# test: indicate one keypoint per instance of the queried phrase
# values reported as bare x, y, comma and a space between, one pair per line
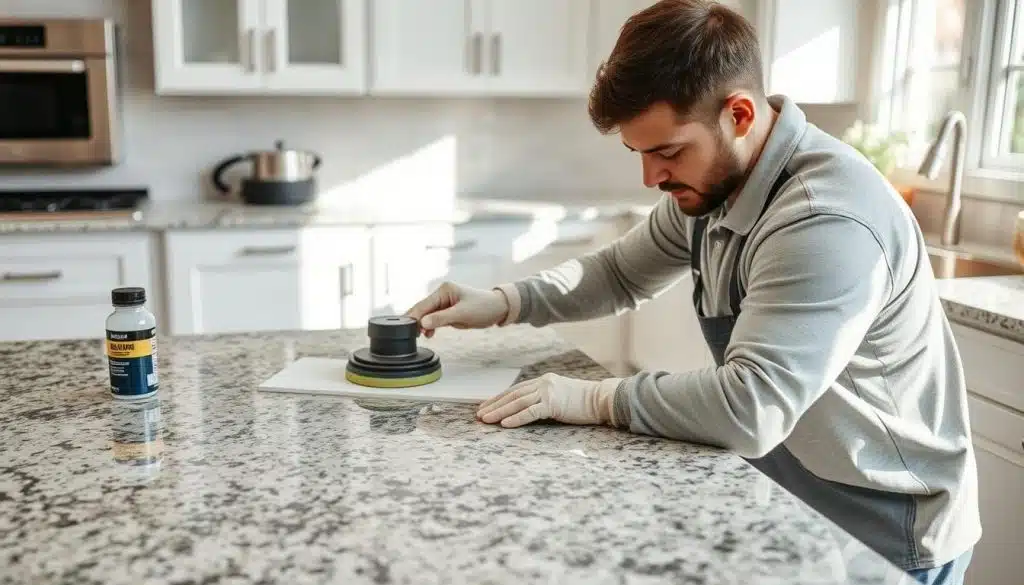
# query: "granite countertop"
157, 216
994, 304
213, 481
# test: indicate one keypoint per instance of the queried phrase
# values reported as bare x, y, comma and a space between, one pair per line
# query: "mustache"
668, 186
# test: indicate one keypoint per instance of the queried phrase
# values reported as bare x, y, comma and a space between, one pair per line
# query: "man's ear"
739, 114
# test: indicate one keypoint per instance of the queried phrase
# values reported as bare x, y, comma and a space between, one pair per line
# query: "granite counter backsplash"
216, 482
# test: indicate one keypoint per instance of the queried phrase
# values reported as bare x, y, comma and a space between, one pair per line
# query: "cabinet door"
810, 48
315, 46
406, 265
602, 338
538, 47
428, 48
266, 280
57, 286
609, 17
207, 46
665, 334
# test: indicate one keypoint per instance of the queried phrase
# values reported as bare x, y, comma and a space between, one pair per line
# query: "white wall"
533, 149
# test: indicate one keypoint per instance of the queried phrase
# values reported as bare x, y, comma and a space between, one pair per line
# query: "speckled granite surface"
994, 304
231, 485
215, 215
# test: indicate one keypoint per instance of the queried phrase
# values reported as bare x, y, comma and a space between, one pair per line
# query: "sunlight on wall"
811, 69
422, 181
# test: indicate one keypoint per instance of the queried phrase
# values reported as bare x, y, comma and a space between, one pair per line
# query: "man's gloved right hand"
461, 307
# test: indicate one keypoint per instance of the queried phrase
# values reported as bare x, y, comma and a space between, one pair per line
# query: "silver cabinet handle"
496, 54
581, 241
271, 49
267, 250
250, 50
456, 247
478, 55
32, 276
346, 281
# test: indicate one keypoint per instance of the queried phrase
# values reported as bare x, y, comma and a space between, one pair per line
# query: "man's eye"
670, 155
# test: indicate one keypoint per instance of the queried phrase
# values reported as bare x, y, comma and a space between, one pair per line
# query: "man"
837, 374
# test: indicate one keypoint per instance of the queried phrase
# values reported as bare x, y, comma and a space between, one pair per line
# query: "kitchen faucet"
954, 123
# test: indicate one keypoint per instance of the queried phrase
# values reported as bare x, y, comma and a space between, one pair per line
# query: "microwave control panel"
23, 36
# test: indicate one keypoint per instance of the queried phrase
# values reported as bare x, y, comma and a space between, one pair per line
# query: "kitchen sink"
954, 264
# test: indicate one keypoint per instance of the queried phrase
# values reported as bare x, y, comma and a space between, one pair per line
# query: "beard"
723, 178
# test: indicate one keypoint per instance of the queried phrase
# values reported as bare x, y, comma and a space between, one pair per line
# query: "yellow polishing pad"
373, 382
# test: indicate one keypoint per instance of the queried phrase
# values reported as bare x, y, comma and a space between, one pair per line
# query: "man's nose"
653, 173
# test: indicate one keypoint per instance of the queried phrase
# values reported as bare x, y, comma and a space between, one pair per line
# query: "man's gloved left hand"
568, 400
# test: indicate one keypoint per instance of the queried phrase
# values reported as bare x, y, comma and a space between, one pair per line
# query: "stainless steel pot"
279, 176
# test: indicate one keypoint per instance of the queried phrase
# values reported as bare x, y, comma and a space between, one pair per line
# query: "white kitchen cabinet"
993, 369
207, 47
267, 279
427, 47
998, 435
549, 243
809, 49
516, 48
609, 16
665, 334
406, 264
57, 286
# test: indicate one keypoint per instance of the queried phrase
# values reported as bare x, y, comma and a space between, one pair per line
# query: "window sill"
985, 184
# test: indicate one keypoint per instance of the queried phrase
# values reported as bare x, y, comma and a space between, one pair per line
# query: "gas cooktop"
56, 203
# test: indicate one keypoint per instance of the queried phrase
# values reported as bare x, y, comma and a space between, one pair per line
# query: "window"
1004, 128
967, 55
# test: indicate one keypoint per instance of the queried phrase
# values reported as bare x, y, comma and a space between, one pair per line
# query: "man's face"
689, 160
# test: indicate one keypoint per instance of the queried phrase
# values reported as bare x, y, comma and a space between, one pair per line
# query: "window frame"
987, 176
1008, 22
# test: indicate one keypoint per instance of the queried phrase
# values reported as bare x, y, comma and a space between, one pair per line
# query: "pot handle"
218, 179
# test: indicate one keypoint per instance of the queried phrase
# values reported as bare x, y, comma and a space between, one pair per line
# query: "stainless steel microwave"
59, 102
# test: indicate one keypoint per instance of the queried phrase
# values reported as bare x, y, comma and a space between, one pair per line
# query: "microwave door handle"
42, 66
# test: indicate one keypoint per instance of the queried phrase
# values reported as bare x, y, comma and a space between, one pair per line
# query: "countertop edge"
981, 319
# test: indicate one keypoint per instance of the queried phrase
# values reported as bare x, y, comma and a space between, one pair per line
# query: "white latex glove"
568, 400
461, 307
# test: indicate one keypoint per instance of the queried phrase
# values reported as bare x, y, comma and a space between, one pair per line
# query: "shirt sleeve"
640, 265
815, 287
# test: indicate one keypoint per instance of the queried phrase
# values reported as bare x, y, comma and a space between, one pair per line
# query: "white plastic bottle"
131, 346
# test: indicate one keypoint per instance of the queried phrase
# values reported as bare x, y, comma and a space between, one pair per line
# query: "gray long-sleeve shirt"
841, 355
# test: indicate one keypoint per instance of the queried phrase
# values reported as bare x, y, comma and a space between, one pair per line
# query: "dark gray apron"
882, 520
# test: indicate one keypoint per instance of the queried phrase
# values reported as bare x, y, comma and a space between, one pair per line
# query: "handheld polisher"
393, 360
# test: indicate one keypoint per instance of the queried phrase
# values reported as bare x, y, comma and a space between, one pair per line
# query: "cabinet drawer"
993, 366
40, 269
48, 277
227, 246
267, 279
998, 424
68, 321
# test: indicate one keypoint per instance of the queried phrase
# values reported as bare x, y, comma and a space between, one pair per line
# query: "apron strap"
696, 238
699, 227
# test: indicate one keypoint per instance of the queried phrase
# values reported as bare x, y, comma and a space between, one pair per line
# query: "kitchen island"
217, 482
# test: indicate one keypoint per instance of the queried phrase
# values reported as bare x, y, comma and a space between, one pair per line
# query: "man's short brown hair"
688, 53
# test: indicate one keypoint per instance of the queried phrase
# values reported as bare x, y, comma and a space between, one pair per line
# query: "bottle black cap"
128, 296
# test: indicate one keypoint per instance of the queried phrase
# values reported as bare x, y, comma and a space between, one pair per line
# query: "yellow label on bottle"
130, 349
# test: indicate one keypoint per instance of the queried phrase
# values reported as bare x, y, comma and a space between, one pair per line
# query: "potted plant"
882, 149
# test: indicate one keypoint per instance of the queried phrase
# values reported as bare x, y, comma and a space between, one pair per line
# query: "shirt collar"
789, 128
